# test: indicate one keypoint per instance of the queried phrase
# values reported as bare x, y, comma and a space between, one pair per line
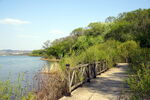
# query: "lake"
11, 66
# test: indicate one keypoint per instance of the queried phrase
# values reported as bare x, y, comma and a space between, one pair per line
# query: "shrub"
139, 80
107, 51
126, 49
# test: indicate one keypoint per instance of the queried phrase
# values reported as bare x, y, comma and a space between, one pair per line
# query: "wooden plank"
104, 70
83, 71
96, 68
76, 85
72, 78
88, 74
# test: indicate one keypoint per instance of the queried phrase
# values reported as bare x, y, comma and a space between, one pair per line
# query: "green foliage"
90, 55
30, 96
97, 28
110, 19
120, 31
110, 48
5, 90
126, 49
60, 48
84, 42
77, 32
139, 80
37, 53
107, 51
81, 43
133, 25
73, 61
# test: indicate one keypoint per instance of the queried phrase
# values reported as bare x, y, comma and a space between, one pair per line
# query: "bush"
139, 80
107, 51
126, 49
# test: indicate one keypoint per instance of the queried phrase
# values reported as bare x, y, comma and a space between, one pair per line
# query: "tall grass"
15, 90
52, 86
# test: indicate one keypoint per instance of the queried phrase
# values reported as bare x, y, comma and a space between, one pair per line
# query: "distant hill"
14, 52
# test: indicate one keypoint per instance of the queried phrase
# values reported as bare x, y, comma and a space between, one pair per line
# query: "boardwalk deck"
107, 86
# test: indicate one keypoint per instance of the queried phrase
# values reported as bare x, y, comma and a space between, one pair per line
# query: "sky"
27, 24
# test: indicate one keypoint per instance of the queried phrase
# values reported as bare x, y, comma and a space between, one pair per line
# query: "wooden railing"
76, 76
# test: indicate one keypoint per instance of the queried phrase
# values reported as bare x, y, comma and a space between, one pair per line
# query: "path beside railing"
107, 86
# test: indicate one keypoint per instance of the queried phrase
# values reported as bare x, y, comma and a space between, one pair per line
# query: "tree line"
126, 26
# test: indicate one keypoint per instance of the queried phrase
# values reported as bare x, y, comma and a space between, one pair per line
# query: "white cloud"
27, 36
56, 32
13, 21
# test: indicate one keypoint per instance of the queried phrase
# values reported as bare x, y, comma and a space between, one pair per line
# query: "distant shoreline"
15, 55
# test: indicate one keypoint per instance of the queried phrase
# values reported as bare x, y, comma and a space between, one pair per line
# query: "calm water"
11, 66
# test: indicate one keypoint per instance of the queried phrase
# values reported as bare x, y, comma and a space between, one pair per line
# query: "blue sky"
26, 24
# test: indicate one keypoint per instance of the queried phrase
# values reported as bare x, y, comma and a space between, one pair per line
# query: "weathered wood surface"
84, 73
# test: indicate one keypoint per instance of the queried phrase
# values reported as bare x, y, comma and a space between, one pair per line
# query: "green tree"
110, 19
77, 32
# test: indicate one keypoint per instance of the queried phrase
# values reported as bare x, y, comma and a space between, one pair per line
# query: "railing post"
103, 65
106, 65
88, 73
68, 80
95, 69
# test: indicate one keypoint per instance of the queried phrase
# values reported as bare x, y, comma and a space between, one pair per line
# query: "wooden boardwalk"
107, 86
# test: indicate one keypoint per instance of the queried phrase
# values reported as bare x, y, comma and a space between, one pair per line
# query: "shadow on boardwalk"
107, 86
